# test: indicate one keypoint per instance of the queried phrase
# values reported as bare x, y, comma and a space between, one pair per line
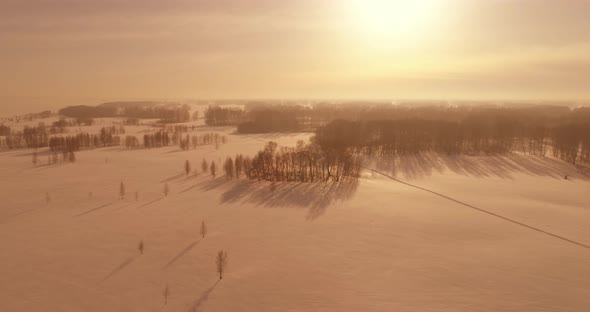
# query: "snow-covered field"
375, 245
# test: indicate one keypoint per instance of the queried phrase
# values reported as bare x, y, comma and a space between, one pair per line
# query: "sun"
388, 19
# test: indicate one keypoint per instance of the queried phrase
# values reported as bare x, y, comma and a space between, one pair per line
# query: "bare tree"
35, 158
221, 263
187, 168
140, 247
205, 165
136, 196
238, 165
122, 191
166, 189
213, 169
228, 167
203, 229
47, 198
166, 294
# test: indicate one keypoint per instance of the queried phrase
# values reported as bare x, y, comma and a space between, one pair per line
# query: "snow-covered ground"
375, 245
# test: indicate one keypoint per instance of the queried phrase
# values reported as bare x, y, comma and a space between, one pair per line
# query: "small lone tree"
122, 191
140, 247
204, 165
136, 196
47, 198
72, 156
213, 169
35, 158
166, 189
166, 294
187, 168
203, 229
221, 263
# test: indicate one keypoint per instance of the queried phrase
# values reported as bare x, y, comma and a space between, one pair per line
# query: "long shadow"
317, 197
120, 267
204, 297
190, 178
501, 166
150, 203
12, 216
172, 178
530, 227
182, 253
93, 210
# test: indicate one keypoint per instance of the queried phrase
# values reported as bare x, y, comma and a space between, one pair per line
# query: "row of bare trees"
162, 138
199, 140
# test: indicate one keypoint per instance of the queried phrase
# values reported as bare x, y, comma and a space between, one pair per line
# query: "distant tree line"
472, 136
166, 113
255, 121
106, 138
163, 138
224, 116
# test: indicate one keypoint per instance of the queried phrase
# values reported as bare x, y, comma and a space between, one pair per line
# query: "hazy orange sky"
451, 49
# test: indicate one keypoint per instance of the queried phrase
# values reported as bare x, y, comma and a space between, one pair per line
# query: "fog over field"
301, 155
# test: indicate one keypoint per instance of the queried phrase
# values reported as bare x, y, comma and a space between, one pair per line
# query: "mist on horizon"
434, 49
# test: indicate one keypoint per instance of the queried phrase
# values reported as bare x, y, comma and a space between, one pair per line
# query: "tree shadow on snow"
182, 253
317, 197
494, 166
120, 267
204, 297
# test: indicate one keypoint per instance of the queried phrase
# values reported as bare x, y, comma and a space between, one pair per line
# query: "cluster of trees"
83, 140
571, 143
199, 140
29, 137
267, 120
41, 136
162, 138
303, 163
157, 139
131, 141
260, 120
4, 130
224, 116
55, 158
63, 122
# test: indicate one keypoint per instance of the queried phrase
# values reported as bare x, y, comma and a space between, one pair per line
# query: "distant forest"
389, 130
165, 112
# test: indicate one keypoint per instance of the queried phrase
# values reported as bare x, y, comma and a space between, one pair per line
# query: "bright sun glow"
393, 18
